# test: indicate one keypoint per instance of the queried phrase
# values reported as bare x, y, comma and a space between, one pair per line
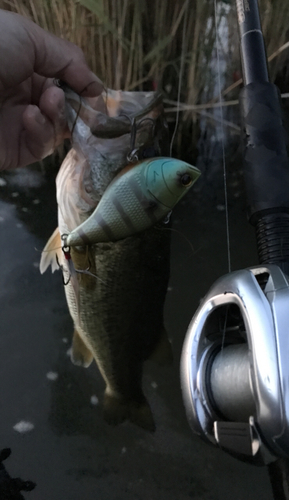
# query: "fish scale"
123, 334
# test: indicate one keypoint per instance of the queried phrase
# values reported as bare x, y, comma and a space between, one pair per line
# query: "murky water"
61, 441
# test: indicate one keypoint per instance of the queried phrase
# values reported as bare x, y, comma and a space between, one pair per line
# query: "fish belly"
119, 316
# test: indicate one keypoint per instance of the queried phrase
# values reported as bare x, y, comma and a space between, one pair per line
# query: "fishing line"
61, 84
223, 144
179, 233
76, 118
86, 271
78, 271
224, 330
181, 74
224, 169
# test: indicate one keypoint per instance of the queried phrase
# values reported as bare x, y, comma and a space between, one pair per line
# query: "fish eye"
186, 180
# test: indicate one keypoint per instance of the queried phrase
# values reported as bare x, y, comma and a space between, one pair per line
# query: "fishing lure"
138, 197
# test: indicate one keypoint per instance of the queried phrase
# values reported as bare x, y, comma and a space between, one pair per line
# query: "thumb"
31, 49
55, 57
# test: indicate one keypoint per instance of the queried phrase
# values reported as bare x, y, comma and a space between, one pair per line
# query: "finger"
34, 50
55, 57
52, 105
37, 139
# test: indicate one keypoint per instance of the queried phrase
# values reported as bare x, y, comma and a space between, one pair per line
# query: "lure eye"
186, 180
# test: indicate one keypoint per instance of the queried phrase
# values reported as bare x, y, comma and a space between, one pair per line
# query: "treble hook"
133, 155
63, 270
72, 269
66, 251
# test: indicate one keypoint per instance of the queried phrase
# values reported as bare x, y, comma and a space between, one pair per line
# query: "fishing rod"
234, 366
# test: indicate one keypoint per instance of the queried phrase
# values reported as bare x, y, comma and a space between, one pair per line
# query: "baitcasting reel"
235, 365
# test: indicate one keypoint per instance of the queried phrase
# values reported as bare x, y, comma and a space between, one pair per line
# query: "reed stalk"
134, 45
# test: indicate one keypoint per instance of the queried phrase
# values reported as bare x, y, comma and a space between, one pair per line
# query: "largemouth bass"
117, 303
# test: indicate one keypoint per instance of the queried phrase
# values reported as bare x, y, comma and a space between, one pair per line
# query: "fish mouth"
92, 112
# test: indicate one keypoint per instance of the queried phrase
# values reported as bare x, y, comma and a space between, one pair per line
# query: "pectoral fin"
50, 251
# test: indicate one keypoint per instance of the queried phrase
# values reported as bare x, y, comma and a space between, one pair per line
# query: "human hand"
32, 116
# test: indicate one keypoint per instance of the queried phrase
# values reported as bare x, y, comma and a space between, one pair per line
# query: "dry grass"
132, 44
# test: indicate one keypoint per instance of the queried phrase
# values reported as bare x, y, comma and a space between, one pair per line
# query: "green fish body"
138, 198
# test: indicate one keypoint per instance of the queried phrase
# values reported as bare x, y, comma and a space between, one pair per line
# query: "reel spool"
235, 365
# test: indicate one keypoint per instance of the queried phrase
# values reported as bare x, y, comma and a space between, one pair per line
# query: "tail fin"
116, 410
51, 249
